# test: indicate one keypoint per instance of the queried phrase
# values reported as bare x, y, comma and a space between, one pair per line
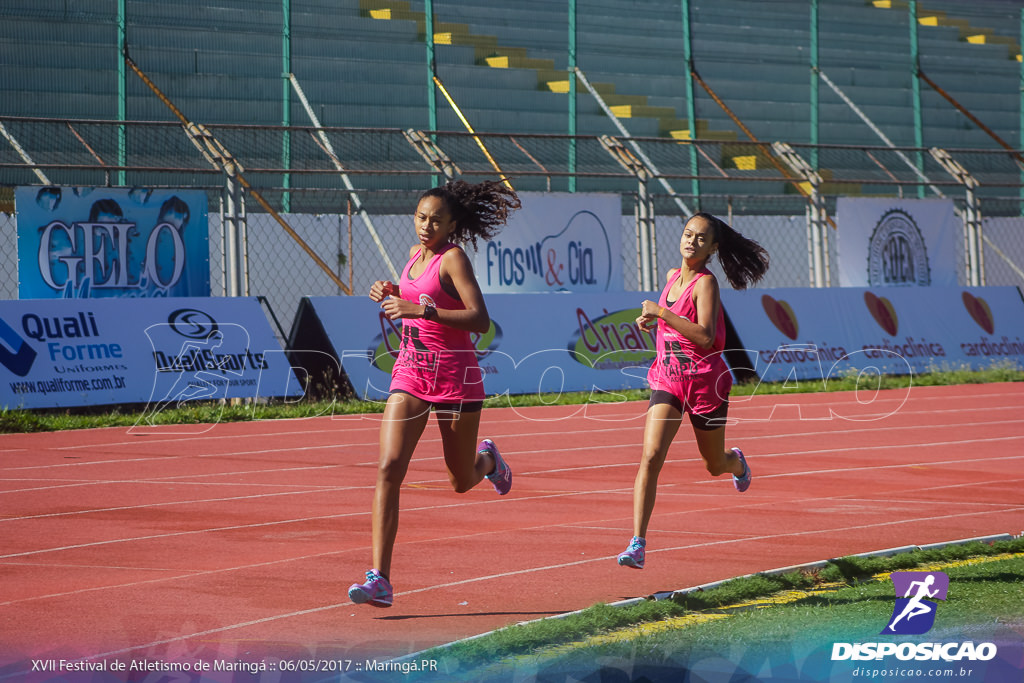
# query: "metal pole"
231, 237
428, 11
974, 214
638, 220
818, 242
351, 265
973, 249
572, 95
644, 212
974, 272
223, 245
817, 216
243, 232
691, 105
122, 92
814, 83
286, 103
646, 229
915, 66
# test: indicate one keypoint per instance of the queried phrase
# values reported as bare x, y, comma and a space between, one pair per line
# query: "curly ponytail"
478, 210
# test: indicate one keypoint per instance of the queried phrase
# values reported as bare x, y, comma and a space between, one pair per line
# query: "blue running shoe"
376, 591
741, 483
501, 477
634, 555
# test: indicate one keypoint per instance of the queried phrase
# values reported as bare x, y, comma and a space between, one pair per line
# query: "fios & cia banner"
556, 243
81, 242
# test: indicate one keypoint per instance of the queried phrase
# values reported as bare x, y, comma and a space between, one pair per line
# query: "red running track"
238, 541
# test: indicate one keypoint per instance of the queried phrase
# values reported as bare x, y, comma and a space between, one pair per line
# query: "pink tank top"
698, 376
435, 362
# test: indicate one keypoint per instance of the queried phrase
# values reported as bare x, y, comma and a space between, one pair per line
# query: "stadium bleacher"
361, 63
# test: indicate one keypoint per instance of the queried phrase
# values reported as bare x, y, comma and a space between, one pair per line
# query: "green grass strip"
23, 421
727, 612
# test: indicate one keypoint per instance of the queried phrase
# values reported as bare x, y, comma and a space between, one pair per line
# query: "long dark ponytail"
743, 260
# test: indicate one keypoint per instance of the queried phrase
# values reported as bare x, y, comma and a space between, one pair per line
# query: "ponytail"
744, 261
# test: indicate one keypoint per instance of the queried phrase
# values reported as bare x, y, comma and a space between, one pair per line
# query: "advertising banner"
588, 342
817, 334
60, 353
557, 242
896, 242
535, 343
82, 242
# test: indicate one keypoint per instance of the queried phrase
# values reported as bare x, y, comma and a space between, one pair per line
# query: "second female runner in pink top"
688, 375
697, 375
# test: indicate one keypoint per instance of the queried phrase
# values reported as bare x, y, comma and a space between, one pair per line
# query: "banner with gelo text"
83, 242
557, 242
162, 352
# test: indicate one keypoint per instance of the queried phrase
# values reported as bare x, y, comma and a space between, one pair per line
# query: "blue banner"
589, 342
164, 352
82, 242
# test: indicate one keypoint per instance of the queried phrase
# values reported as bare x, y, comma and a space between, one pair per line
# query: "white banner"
821, 334
558, 242
162, 351
897, 242
536, 343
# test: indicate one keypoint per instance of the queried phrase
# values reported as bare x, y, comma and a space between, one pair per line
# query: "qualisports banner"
536, 343
819, 334
82, 242
59, 353
896, 242
557, 242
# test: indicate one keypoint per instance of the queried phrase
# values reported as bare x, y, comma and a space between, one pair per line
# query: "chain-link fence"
347, 195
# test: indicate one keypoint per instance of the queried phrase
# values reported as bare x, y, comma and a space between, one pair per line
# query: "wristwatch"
429, 312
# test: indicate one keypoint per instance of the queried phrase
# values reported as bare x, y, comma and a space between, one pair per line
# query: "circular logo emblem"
896, 252
191, 323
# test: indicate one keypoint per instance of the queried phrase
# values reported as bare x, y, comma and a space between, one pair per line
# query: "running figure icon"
918, 590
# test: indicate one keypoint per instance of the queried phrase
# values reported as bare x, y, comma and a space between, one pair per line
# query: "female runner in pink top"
435, 362
440, 304
688, 374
